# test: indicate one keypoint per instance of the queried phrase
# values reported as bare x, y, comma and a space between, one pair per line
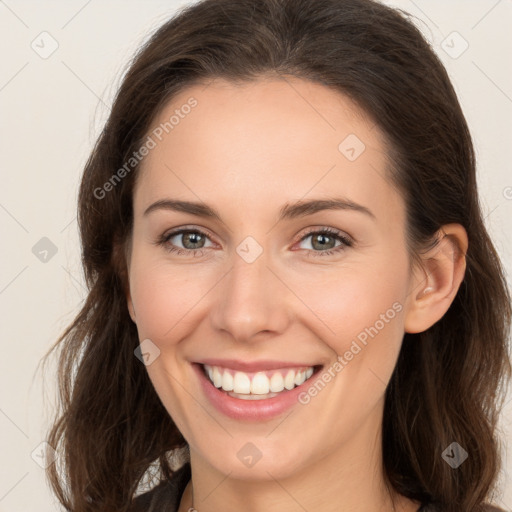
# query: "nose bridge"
250, 299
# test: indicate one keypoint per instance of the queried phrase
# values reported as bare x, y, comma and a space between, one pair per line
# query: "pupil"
189, 237
324, 237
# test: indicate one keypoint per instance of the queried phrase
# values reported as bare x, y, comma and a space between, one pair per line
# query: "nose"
251, 302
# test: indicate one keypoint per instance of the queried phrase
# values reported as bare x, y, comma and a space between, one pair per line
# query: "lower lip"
253, 410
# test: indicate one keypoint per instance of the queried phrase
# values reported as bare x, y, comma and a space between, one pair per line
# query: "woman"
291, 284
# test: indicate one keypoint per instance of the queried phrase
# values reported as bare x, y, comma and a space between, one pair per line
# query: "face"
264, 293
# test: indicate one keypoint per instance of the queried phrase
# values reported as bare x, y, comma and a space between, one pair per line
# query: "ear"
435, 284
121, 255
131, 309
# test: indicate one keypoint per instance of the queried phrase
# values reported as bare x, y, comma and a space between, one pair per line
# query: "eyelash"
346, 242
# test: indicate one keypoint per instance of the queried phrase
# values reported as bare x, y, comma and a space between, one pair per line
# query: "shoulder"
166, 496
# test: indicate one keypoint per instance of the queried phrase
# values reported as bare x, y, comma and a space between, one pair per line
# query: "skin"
246, 150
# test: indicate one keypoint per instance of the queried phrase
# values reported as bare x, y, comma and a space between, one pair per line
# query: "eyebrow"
287, 212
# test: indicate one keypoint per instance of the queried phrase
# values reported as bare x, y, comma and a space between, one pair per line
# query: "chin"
258, 459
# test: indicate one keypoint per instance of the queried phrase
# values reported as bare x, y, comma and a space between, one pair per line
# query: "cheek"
362, 310
161, 297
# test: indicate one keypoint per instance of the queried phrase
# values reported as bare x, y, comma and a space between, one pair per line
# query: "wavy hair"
449, 381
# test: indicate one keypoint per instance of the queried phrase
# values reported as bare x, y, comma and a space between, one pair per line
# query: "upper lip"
252, 366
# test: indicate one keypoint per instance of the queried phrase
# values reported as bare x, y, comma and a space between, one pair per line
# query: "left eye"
324, 239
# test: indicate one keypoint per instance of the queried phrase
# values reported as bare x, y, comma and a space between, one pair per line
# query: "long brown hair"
449, 380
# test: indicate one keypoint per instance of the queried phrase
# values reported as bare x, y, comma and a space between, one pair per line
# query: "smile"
253, 391
257, 385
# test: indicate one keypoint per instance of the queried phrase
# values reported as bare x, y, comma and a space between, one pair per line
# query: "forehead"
262, 143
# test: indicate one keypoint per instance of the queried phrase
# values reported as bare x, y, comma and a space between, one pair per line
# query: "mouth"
260, 385
254, 390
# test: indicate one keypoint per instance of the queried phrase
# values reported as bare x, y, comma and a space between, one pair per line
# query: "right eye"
187, 237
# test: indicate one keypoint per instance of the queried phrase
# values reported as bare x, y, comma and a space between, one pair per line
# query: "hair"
449, 381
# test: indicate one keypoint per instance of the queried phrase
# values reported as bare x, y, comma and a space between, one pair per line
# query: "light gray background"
53, 109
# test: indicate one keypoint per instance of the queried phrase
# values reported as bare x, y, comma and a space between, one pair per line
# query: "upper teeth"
259, 383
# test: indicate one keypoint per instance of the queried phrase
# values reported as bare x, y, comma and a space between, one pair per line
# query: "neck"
350, 478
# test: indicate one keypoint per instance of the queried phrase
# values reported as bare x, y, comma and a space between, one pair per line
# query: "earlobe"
436, 284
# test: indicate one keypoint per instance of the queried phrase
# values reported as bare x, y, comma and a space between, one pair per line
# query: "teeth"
227, 381
300, 377
289, 380
277, 382
217, 377
258, 385
252, 397
241, 383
